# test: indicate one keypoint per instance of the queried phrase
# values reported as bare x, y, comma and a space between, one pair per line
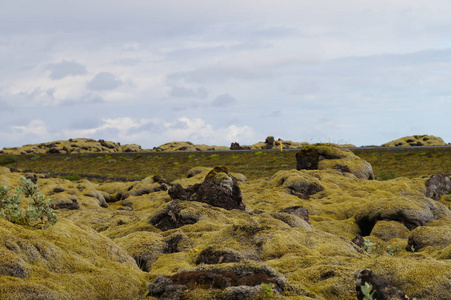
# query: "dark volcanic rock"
70, 203
382, 289
321, 156
236, 146
359, 240
211, 256
163, 288
218, 189
437, 186
170, 218
236, 275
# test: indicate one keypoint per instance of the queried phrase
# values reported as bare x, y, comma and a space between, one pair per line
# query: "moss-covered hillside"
124, 233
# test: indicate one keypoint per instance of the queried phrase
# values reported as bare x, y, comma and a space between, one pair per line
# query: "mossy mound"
311, 249
72, 146
416, 140
65, 261
187, 146
323, 156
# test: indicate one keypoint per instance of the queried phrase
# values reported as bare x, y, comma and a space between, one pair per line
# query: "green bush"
72, 177
7, 159
38, 214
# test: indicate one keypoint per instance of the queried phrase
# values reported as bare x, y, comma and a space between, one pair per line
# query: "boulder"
212, 256
65, 202
298, 211
171, 217
298, 183
381, 288
437, 186
425, 236
410, 212
219, 189
321, 156
387, 230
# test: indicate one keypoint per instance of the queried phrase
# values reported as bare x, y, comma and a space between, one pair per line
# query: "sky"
216, 72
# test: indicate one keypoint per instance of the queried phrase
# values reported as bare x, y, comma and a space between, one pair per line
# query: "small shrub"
68, 158
258, 153
213, 156
38, 214
111, 161
72, 177
394, 251
368, 246
7, 159
269, 289
191, 156
35, 157
366, 290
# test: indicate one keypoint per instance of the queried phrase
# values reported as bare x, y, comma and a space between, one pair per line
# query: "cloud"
104, 81
35, 129
183, 92
84, 99
157, 132
65, 68
223, 100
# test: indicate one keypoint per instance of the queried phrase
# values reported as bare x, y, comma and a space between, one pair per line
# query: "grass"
387, 163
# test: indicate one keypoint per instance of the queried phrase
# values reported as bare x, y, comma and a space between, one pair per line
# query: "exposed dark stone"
163, 288
161, 180
269, 142
173, 243
410, 141
322, 156
73, 204
437, 186
218, 189
212, 256
298, 211
32, 177
382, 289
327, 275
54, 151
214, 278
236, 146
58, 189
170, 218
178, 192
359, 240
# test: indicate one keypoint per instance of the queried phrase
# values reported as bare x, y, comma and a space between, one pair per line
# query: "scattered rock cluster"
72, 146
416, 140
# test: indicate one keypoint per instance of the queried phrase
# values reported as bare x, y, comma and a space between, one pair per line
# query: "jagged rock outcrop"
219, 189
322, 156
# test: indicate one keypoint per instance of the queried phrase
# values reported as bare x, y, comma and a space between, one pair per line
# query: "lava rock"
219, 189
171, 217
321, 156
437, 186
380, 286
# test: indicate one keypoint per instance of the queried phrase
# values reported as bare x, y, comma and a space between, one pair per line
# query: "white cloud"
156, 131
